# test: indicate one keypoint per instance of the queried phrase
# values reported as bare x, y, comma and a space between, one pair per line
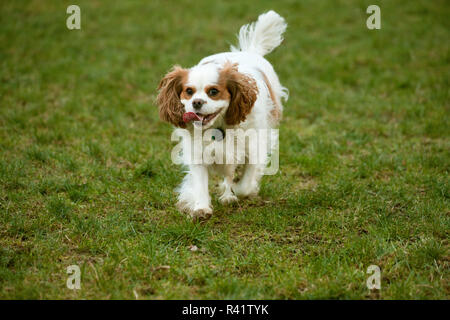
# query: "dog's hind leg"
248, 186
227, 193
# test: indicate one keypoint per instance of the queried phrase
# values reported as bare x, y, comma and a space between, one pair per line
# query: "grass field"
86, 176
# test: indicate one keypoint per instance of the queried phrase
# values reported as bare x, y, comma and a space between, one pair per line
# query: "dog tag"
218, 134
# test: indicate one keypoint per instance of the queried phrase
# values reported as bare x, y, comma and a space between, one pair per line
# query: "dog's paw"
245, 191
227, 198
201, 214
184, 206
196, 212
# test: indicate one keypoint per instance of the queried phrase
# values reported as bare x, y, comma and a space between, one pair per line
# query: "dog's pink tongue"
190, 116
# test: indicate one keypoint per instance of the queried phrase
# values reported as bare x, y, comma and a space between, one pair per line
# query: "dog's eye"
213, 92
189, 91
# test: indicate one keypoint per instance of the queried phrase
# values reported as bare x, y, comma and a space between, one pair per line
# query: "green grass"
86, 176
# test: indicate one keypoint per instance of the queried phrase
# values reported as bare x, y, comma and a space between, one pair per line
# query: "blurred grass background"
86, 176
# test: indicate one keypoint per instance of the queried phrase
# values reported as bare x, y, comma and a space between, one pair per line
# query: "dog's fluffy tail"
262, 36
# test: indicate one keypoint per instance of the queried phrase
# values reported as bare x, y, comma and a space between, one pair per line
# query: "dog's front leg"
193, 193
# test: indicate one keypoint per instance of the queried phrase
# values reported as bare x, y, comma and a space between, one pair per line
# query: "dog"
231, 90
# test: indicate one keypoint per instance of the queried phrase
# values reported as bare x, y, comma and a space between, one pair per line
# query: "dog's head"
206, 92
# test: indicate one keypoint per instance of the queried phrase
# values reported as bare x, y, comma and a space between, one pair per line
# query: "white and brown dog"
231, 90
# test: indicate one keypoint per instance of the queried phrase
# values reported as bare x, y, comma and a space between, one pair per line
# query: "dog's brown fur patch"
223, 92
242, 90
170, 88
276, 111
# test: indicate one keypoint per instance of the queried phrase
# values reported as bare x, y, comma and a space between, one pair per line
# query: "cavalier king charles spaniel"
231, 90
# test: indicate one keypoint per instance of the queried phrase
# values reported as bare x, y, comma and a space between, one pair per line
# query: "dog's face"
205, 93
208, 91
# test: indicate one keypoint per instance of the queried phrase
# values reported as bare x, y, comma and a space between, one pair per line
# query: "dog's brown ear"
243, 93
170, 107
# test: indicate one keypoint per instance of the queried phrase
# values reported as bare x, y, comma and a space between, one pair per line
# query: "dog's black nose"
197, 103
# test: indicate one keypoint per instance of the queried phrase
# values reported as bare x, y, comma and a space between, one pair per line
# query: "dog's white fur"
255, 40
